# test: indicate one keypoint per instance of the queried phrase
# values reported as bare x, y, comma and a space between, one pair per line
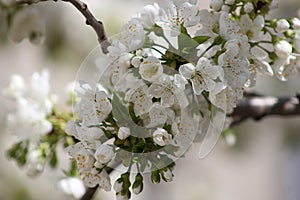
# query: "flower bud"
295, 23
216, 4
118, 185
282, 25
248, 7
137, 186
167, 175
283, 49
155, 177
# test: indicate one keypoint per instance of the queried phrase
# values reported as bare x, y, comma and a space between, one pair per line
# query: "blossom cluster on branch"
172, 76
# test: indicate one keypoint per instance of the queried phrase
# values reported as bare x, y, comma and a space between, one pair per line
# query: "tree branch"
90, 20
257, 107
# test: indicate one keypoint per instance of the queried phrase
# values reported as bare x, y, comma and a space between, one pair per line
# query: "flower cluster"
38, 125
174, 72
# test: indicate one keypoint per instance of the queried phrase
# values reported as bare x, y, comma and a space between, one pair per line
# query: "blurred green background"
264, 164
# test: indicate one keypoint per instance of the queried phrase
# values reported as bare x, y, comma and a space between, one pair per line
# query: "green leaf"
201, 39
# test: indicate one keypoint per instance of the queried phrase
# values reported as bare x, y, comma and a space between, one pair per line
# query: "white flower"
253, 29
184, 130
132, 35
141, 99
92, 108
85, 160
157, 114
119, 196
296, 41
168, 175
235, 63
209, 22
16, 87
170, 89
118, 67
295, 23
226, 8
104, 181
118, 186
180, 2
136, 61
216, 4
248, 7
151, 69
104, 153
282, 25
230, 29
284, 69
230, 139
27, 23
260, 64
148, 15
137, 190
176, 15
123, 133
283, 49
202, 76
72, 186
161, 137
89, 135
225, 97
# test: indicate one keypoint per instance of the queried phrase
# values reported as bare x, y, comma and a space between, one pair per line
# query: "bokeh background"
263, 165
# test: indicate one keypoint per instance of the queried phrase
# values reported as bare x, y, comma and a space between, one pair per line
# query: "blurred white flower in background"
33, 104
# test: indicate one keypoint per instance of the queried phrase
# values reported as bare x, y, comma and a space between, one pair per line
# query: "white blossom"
248, 7
148, 15
157, 114
27, 23
33, 105
209, 22
176, 15
202, 76
282, 25
104, 153
216, 4
260, 64
285, 68
226, 8
252, 28
151, 69
119, 196
118, 186
85, 160
168, 175
171, 90
123, 133
132, 35
72, 186
283, 49
161, 137
295, 23
137, 190
141, 99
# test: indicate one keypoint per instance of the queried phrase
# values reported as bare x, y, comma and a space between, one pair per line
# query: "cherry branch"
90, 20
258, 107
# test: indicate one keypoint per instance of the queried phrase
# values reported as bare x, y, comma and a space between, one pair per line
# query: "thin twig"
90, 19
